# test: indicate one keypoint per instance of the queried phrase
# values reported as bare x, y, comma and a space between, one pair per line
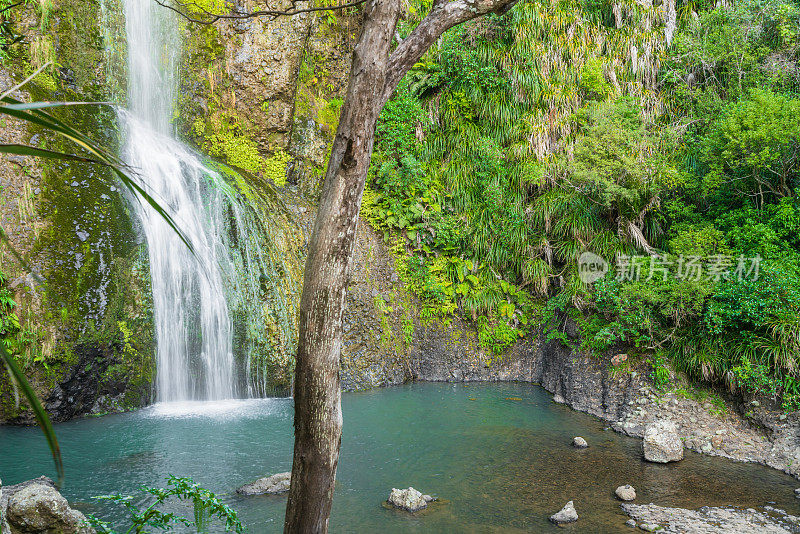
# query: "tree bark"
376, 71
317, 397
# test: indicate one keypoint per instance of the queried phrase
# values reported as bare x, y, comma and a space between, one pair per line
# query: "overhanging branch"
443, 16
182, 8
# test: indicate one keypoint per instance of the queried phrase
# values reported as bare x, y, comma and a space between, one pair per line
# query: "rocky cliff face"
85, 335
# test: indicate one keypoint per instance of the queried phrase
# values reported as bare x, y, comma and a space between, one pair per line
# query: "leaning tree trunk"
375, 73
317, 397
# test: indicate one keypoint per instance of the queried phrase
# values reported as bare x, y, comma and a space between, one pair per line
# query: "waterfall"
192, 321
225, 315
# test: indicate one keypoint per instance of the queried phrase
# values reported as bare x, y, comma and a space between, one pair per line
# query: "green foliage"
592, 80
9, 322
225, 140
659, 371
206, 504
275, 167
753, 148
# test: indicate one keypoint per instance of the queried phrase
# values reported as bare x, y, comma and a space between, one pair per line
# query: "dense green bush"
521, 141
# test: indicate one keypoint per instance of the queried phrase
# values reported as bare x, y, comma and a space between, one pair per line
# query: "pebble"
782, 417
631, 523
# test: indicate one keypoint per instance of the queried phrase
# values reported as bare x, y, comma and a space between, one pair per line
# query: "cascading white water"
192, 320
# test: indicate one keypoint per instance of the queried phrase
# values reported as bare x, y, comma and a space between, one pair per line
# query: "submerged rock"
37, 507
625, 493
661, 443
566, 514
278, 483
409, 499
579, 442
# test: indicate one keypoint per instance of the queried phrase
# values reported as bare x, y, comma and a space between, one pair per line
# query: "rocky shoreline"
706, 520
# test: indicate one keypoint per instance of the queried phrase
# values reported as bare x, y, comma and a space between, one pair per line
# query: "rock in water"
278, 483
797, 493
625, 493
650, 527
566, 515
409, 499
579, 442
39, 508
661, 443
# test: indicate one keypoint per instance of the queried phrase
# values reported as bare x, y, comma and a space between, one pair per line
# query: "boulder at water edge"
579, 442
274, 484
566, 515
661, 443
39, 508
625, 493
409, 499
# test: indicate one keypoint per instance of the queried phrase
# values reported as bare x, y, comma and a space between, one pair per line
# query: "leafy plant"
206, 505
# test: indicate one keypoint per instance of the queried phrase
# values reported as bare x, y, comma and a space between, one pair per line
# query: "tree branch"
238, 15
443, 16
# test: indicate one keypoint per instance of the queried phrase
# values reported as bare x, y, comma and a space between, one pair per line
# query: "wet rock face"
661, 443
275, 484
36, 507
68, 221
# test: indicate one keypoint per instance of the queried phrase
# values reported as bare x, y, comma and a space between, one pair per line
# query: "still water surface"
499, 456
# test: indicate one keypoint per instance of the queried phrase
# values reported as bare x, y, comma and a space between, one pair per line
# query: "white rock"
408, 499
278, 483
625, 493
579, 442
566, 514
661, 443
